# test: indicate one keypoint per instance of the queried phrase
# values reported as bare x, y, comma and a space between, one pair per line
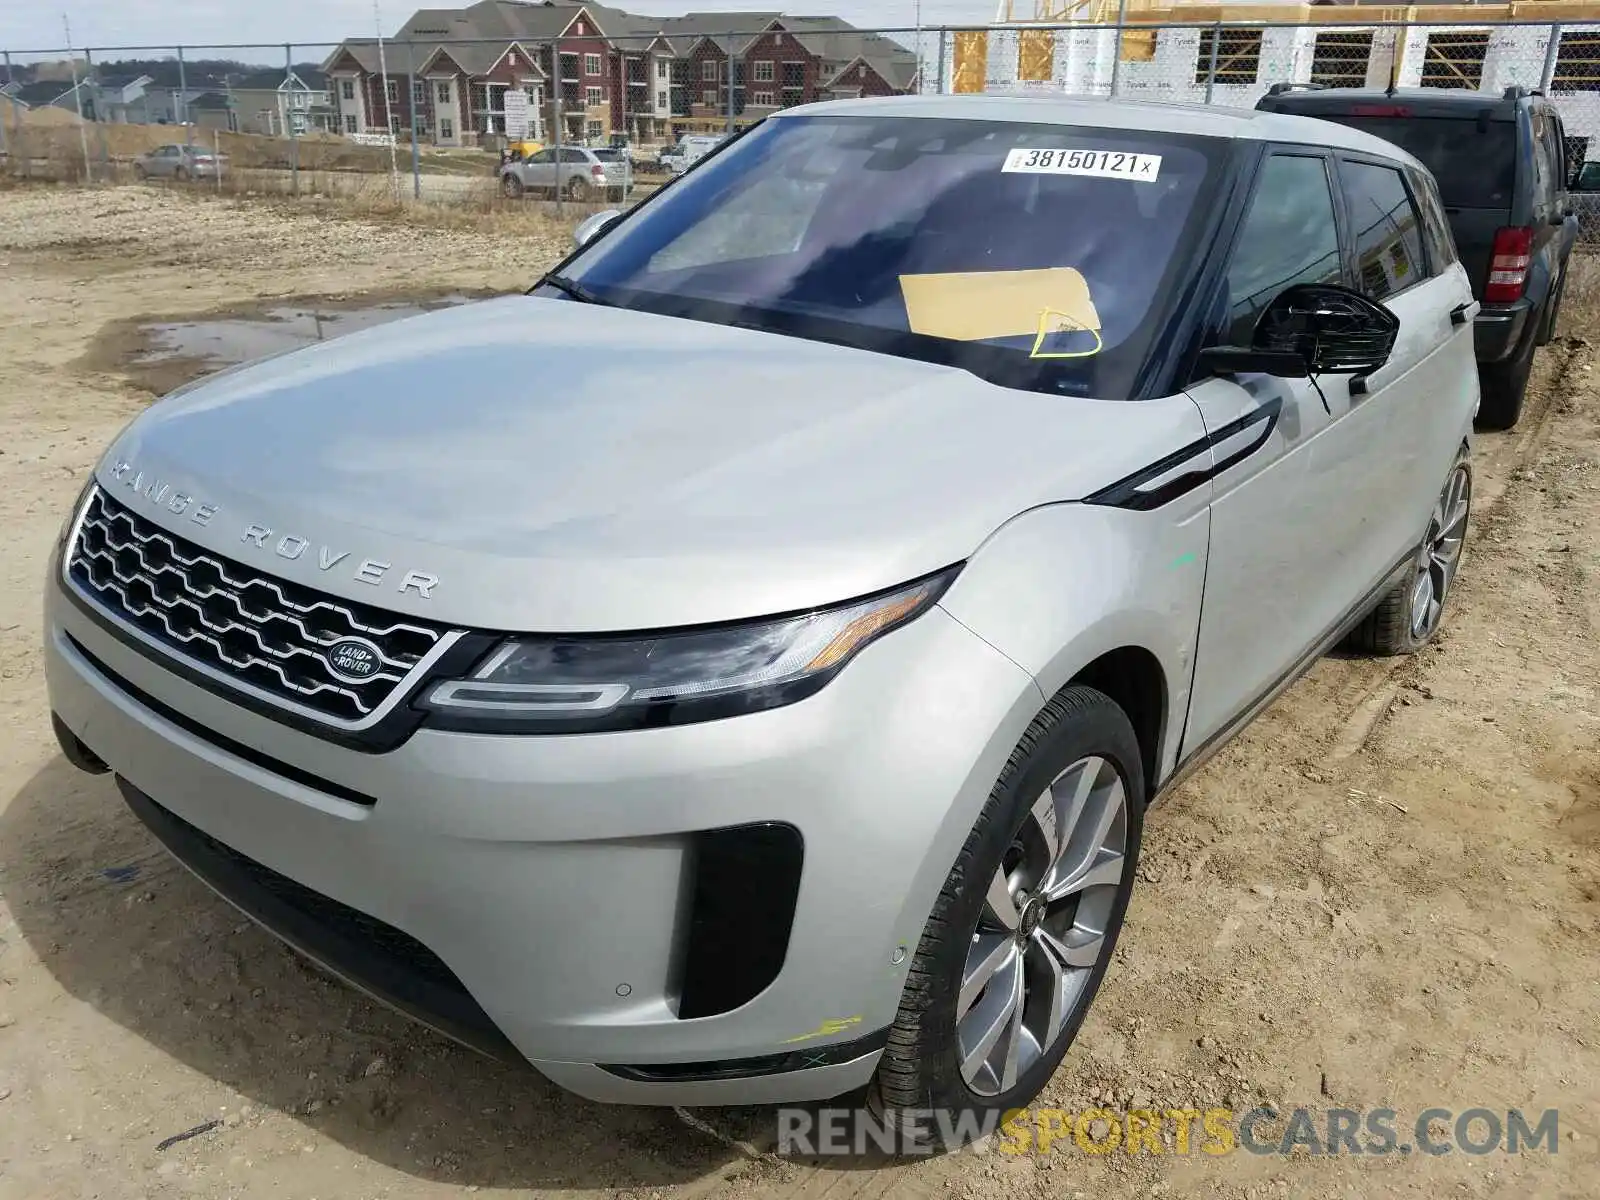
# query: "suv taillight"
597, 171
1508, 264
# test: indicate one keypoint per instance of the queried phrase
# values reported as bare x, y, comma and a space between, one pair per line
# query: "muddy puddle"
158, 355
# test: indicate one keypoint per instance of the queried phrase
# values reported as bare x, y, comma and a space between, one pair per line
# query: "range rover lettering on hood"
292, 546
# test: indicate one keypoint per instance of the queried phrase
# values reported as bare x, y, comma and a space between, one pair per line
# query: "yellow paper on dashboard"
973, 306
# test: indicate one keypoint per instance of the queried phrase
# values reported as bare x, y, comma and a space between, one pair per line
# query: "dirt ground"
1387, 892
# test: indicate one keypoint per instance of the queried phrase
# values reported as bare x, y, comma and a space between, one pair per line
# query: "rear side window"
1436, 233
1289, 236
1386, 227
1475, 169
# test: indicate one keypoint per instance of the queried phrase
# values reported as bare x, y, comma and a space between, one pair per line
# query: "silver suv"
785, 722
576, 172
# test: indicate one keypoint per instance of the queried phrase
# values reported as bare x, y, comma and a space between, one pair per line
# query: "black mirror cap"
1334, 329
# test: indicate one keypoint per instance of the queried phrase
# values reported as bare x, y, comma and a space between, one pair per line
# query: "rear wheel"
1502, 387
578, 189
1020, 936
1406, 619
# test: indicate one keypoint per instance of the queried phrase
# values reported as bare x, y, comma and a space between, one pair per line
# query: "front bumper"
547, 897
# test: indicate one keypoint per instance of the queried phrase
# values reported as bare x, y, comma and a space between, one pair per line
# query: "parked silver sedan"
180, 162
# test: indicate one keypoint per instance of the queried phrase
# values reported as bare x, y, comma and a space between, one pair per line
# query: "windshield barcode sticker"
1103, 164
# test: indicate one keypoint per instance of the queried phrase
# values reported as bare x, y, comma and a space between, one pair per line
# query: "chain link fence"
421, 119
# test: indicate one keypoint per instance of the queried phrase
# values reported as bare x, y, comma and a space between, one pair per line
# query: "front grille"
250, 629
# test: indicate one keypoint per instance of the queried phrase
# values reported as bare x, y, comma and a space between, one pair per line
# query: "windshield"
1475, 166
1037, 256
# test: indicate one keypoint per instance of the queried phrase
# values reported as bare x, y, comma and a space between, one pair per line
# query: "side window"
574, 156
1436, 233
1387, 230
1554, 145
1540, 156
1289, 236
544, 156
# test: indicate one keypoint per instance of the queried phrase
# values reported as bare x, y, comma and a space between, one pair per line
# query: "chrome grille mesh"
267, 634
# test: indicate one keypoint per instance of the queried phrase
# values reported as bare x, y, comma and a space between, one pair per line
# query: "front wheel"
511, 186
1020, 936
1406, 619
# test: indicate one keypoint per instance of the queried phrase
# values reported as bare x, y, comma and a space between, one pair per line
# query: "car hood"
563, 467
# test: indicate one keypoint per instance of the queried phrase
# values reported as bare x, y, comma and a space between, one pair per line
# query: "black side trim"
226, 744
746, 884
1189, 763
749, 1068
1125, 492
377, 958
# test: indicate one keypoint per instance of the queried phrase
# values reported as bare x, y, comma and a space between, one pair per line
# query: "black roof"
1423, 101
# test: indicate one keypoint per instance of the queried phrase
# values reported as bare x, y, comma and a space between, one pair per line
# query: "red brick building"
600, 70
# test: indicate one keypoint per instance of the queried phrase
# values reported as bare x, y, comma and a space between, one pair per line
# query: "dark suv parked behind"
1500, 161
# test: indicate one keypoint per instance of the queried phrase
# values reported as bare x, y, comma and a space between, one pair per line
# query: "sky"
32, 25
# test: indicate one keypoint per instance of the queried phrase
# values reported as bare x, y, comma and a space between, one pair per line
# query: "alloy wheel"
1441, 553
1044, 926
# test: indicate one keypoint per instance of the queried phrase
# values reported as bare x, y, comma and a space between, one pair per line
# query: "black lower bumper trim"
390, 965
751, 1068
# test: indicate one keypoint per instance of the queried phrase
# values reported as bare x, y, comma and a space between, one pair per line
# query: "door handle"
1462, 313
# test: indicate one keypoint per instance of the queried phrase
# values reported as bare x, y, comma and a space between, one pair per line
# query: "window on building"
591, 64
765, 72
594, 97
442, 91
392, 90
763, 100
347, 88
419, 93
794, 75
1339, 59
1388, 230
447, 129
394, 123
350, 124
569, 68
1577, 63
596, 129
1454, 60
663, 68
1238, 54
708, 71
710, 98
661, 100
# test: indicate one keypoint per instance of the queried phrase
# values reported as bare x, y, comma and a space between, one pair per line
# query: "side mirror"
589, 228
1334, 330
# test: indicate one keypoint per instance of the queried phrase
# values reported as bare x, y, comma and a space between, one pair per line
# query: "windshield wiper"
571, 287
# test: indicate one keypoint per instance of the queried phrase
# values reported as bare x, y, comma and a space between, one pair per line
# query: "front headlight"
632, 681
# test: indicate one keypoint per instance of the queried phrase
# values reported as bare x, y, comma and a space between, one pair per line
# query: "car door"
1286, 561
1404, 408
539, 170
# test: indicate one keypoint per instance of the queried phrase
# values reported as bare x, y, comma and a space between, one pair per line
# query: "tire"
140, 173
577, 190
922, 1066
1503, 386
1403, 621
511, 186
181, 174
1552, 310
